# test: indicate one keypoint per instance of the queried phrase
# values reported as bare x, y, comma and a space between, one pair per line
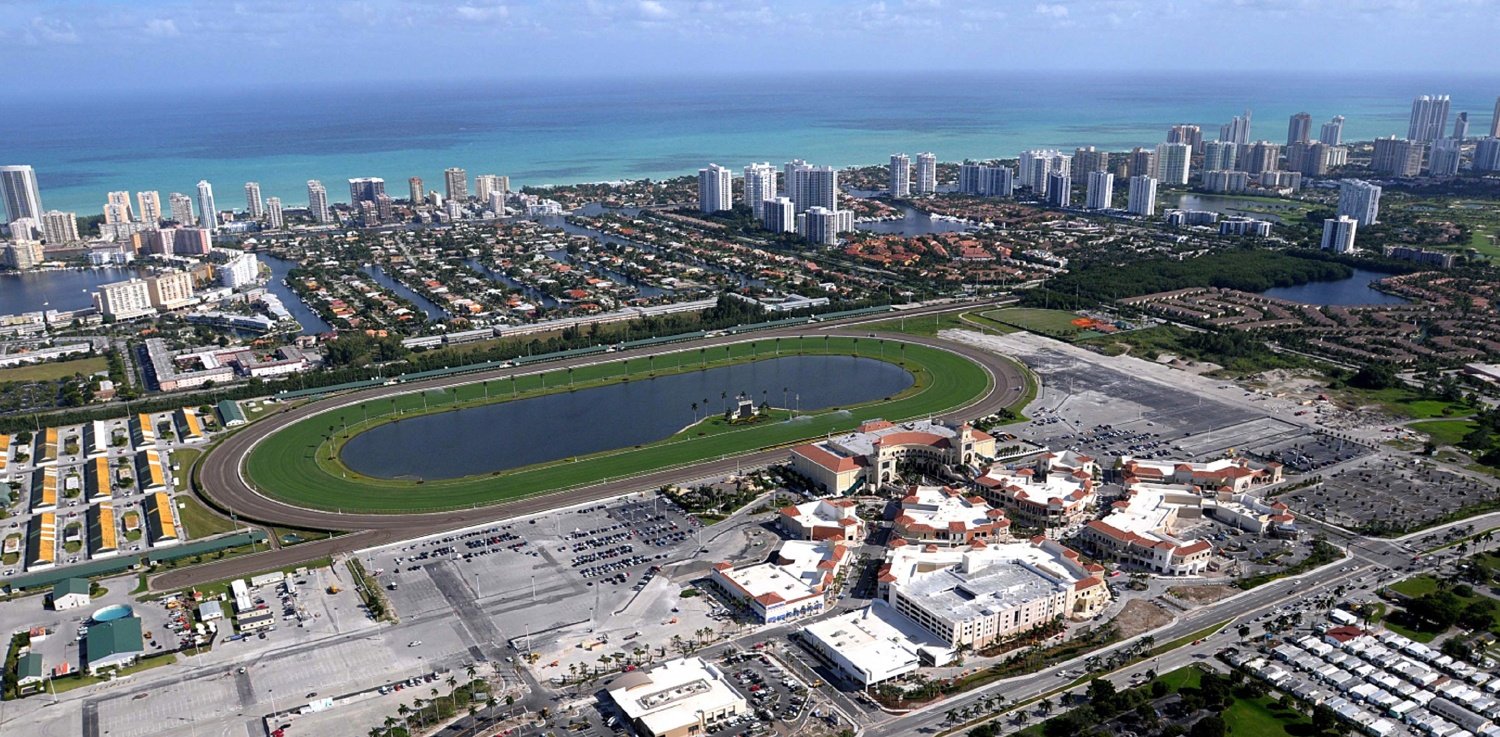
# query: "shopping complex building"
823, 519
944, 516
795, 583
676, 699
1053, 495
869, 456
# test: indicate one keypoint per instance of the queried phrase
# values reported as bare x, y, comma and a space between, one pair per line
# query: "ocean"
595, 130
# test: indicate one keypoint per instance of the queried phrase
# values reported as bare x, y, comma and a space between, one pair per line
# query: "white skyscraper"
1338, 234
1219, 155
1101, 190
1360, 200
715, 188
1332, 132
794, 175
1037, 164
208, 213
181, 208
779, 215
1495, 120
819, 225
150, 203
900, 185
19, 192
1236, 130
1443, 158
59, 227
274, 219
926, 173
317, 202
1142, 196
254, 206
1172, 161
456, 182
1429, 118
812, 186
760, 185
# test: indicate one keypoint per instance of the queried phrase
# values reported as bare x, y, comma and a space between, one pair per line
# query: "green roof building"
71, 593
29, 669
230, 413
113, 644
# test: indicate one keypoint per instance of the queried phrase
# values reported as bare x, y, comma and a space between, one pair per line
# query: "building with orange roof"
1050, 499
1237, 475
797, 582
1142, 530
945, 516
824, 519
868, 457
985, 594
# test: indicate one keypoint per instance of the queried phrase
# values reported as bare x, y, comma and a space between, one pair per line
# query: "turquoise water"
113, 612
541, 133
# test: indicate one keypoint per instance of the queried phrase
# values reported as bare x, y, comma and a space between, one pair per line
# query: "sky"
173, 45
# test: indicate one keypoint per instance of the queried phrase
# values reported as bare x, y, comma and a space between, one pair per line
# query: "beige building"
944, 516
795, 583
1055, 494
678, 698
125, 300
171, 290
23, 255
1141, 530
825, 519
870, 456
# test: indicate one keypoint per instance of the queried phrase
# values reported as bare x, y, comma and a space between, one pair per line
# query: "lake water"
509, 435
55, 290
311, 323
1226, 205
1355, 290
914, 222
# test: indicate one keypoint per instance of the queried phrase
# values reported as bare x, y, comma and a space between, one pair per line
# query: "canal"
58, 289
311, 323
509, 435
1356, 290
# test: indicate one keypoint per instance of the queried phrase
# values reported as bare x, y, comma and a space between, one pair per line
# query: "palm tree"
695, 411
403, 710
470, 671
452, 682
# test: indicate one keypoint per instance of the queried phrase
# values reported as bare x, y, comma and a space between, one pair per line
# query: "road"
220, 474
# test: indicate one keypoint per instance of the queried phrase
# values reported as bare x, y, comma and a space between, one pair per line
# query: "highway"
221, 477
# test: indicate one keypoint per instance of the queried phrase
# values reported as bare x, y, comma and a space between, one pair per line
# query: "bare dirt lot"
1141, 616
1203, 594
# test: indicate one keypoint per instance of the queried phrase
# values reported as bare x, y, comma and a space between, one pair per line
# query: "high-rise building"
1261, 156
254, 206
484, 184
1101, 190
19, 192
418, 194
1172, 162
1192, 135
1219, 155
497, 202
1087, 160
317, 202
274, 218
1487, 154
241, 271
811, 186
456, 184
1397, 157
1141, 198
1332, 132
365, 189
760, 185
191, 241
59, 227
1299, 129
900, 184
926, 173
150, 204
794, 175
125, 300
779, 215
181, 207
978, 179
1495, 120
1037, 164
1461, 127
1443, 159
117, 206
384, 208
1338, 234
819, 225
1360, 200
715, 188
1313, 160
1236, 130
1226, 180
1059, 189
1141, 162
22, 255
171, 290
1429, 118
208, 213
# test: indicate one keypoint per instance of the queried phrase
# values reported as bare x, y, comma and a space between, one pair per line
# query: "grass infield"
299, 464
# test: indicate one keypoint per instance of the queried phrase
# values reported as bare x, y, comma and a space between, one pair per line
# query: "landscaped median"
299, 464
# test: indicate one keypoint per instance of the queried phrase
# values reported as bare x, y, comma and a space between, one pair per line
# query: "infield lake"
508, 435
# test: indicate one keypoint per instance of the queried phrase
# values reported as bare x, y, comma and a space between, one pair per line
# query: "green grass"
1058, 323
54, 370
68, 683
1445, 432
199, 520
928, 325
1261, 717
1404, 402
184, 458
294, 464
1415, 586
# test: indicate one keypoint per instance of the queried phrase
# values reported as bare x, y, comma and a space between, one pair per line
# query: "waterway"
1356, 290
1226, 205
311, 323
595, 209
432, 310
914, 222
508, 435
61, 289
531, 293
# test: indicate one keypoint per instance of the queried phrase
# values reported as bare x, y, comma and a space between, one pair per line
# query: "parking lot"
1402, 492
1311, 453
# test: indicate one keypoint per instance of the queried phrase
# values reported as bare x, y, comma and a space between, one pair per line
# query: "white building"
1048, 497
1142, 196
241, 271
1245, 226
275, 220
1338, 234
678, 698
1444, 158
779, 215
1220, 156
1141, 530
876, 644
1487, 154
869, 456
760, 185
1172, 162
926, 173
945, 517
715, 188
317, 202
208, 212
795, 583
254, 205
181, 209
1429, 118
1225, 180
1332, 132
1059, 189
992, 181
824, 519
1360, 200
124, 300
59, 228
811, 186
821, 225
1035, 165
900, 185
1101, 190
19, 191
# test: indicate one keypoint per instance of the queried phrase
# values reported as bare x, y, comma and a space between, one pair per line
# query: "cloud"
51, 31
161, 28
483, 13
1055, 11
653, 10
